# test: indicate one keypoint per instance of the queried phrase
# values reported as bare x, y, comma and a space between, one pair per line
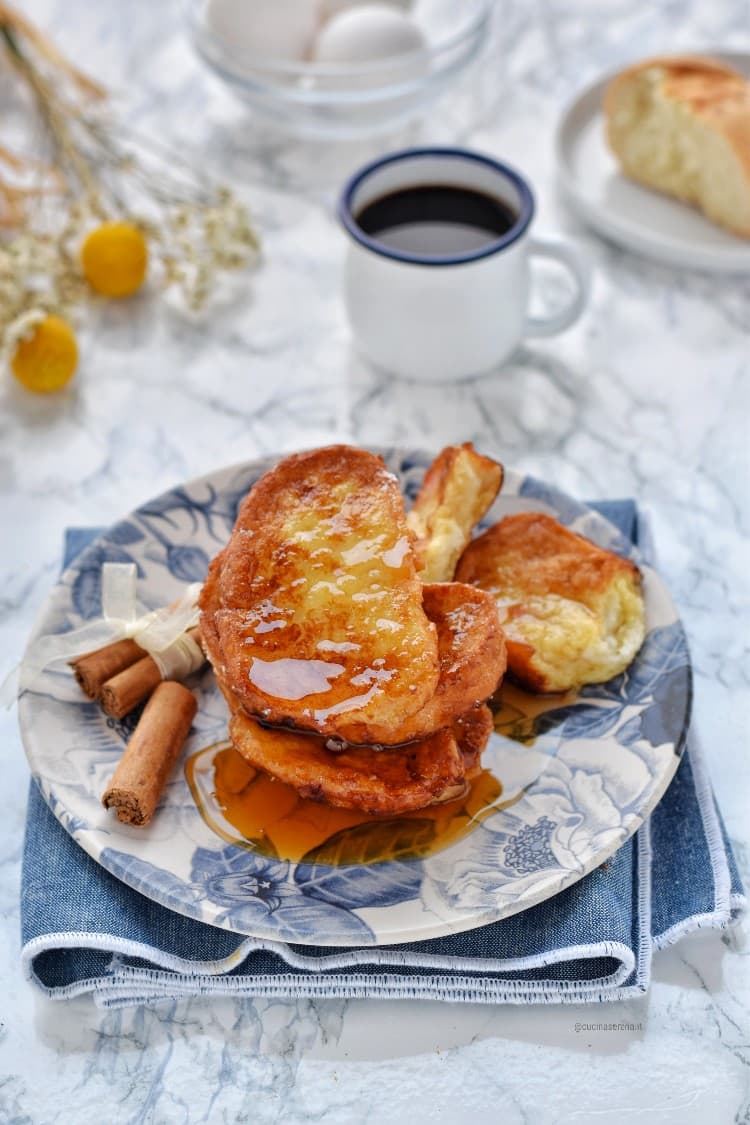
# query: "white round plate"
587, 773
633, 216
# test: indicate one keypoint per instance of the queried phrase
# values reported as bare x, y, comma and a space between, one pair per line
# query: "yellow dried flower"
151, 210
114, 258
45, 359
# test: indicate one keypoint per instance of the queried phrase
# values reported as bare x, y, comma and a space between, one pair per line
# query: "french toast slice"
313, 612
572, 612
458, 488
471, 656
381, 782
471, 653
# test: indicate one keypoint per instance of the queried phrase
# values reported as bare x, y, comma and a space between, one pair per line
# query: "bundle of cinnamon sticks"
120, 676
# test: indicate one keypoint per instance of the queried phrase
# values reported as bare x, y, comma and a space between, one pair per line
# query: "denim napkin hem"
129, 953
122, 985
173, 978
729, 904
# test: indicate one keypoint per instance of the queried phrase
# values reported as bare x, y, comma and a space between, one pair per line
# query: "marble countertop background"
647, 396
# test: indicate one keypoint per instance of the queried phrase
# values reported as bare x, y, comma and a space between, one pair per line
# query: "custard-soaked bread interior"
682, 126
572, 612
314, 609
458, 488
383, 782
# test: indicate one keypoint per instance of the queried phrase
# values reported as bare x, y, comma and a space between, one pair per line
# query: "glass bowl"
347, 101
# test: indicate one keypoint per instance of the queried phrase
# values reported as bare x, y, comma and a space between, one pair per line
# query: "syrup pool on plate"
245, 806
517, 713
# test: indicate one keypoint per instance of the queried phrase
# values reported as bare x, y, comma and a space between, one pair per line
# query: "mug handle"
560, 250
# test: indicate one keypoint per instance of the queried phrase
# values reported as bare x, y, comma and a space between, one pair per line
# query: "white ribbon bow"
162, 633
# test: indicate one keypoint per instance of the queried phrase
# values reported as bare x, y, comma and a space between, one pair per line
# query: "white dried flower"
194, 229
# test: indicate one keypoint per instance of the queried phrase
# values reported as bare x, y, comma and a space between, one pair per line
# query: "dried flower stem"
59, 130
11, 20
195, 228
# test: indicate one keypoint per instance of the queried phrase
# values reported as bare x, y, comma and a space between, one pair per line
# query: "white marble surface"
646, 396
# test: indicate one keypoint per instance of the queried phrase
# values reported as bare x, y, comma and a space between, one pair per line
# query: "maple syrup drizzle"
270, 816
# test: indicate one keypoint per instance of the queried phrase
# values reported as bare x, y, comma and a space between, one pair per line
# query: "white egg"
367, 33
280, 29
333, 7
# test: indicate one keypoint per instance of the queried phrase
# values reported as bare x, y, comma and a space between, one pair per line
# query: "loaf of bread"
682, 126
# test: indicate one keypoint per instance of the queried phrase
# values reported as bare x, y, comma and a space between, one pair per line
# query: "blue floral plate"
571, 778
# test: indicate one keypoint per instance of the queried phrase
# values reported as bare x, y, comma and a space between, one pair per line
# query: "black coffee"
436, 221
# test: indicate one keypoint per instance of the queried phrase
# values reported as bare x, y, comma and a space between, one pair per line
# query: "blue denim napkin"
84, 931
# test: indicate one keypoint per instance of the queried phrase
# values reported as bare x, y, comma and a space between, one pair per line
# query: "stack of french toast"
357, 646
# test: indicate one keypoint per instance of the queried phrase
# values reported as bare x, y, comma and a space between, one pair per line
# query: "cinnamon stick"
128, 688
93, 669
142, 772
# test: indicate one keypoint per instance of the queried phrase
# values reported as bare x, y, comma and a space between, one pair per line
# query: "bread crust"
381, 782
713, 92
545, 576
472, 732
472, 657
384, 782
313, 611
458, 488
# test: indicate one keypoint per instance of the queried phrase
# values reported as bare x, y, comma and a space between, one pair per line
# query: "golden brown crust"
472, 732
710, 88
681, 64
471, 653
572, 612
536, 553
458, 488
209, 603
471, 658
383, 782
713, 92
387, 782
314, 608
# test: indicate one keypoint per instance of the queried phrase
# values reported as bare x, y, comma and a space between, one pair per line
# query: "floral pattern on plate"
585, 781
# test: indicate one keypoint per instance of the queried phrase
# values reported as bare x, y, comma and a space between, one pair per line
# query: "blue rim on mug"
525, 215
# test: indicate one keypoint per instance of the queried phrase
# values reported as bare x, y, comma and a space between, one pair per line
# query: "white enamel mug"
437, 318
